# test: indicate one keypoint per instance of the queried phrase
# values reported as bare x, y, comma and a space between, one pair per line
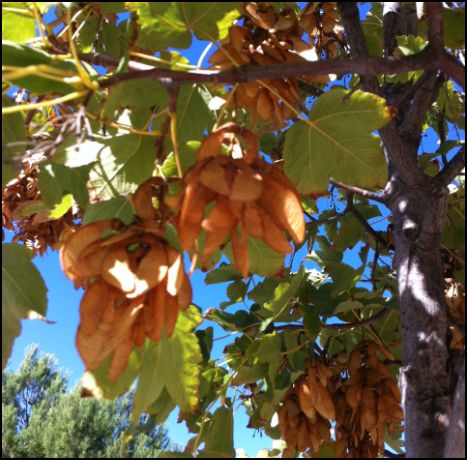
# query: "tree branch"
359, 191
365, 66
452, 169
398, 154
376, 235
391, 26
371, 320
452, 67
363, 322
422, 101
350, 17
434, 12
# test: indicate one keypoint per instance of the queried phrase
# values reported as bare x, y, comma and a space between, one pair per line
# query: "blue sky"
63, 306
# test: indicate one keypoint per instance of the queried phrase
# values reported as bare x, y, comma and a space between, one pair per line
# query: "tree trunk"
419, 216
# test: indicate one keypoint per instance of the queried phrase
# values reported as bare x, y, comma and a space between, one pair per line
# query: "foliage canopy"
271, 161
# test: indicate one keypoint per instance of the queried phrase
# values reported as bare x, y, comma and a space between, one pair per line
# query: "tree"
124, 154
41, 420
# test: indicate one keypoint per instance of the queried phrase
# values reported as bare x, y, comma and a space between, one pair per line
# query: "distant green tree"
40, 419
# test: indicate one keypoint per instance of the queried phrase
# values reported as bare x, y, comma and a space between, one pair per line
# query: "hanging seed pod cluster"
234, 196
135, 283
322, 22
368, 404
20, 198
271, 34
307, 411
360, 396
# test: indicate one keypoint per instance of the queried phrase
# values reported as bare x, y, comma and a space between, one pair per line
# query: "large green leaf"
14, 54
122, 165
283, 293
23, 290
209, 21
187, 159
343, 275
337, 142
218, 442
135, 94
269, 352
12, 132
116, 208
56, 179
18, 27
98, 384
222, 274
193, 115
454, 28
171, 364
161, 26
264, 261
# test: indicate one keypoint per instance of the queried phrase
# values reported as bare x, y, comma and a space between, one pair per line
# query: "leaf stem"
39, 105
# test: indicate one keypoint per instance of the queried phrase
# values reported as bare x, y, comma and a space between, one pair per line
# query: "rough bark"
418, 204
455, 443
419, 215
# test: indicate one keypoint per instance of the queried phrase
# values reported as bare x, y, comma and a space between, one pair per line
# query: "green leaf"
135, 94
60, 209
193, 114
296, 358
161, 26
118, 208
122, 165
311, 321
205, 337
282, 296
373, 31
98, 384
222, 274
343, 275
23, 290
209, 21
264, 291
454, 28
269, 352
74, 155
187, 159
12, 131
241, 319
56, 179
236, 291
348, 305
250, 374
219, 441
337, 142
263, 260
18, 27
171, 364
161, 408
408, 45
14, 54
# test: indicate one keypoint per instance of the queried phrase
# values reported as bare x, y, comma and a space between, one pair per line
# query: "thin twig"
364, 322
360, 191
376, 235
